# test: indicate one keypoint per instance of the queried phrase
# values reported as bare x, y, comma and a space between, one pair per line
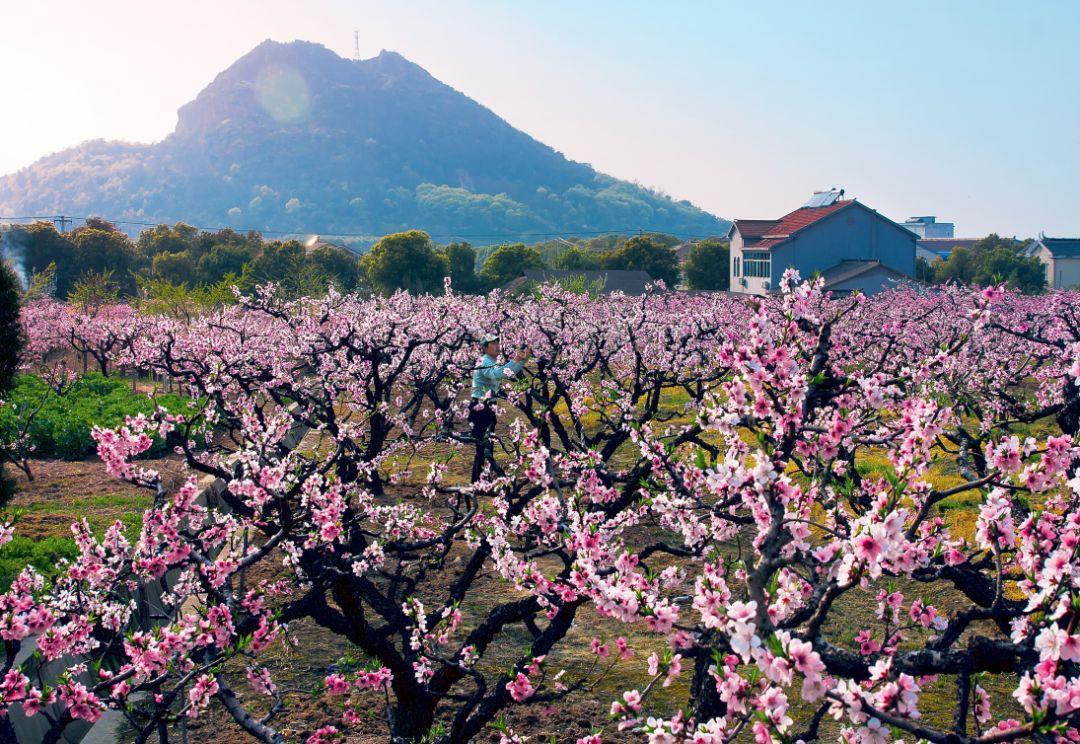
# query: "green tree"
11, 343
278, 261
706, 266
337, 265
924, 270
645, 253
508, 262
159, 239
99, 249
94, 289
992, 260
176, 268
42, 246
224, 259
207, 240
11, 336
461, 268
577, 259
407, 261
1006, 265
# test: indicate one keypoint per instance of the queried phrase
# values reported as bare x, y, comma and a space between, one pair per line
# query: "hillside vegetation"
292, 137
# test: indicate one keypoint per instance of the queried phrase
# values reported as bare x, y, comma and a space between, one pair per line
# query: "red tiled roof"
755, 228
767, 233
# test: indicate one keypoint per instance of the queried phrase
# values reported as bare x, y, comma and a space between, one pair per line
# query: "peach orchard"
689, 467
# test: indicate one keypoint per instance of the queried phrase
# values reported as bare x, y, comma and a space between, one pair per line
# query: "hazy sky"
967, 110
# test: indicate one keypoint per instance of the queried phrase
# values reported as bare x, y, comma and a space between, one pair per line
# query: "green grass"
43, 535
42, 554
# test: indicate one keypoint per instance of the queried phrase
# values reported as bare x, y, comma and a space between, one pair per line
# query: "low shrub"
62, 426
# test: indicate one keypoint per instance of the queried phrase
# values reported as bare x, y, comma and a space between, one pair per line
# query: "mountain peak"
279, 83
292, 136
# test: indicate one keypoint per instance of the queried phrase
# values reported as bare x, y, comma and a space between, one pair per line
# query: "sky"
966, 110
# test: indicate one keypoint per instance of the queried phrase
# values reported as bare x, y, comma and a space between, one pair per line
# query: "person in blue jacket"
487, 378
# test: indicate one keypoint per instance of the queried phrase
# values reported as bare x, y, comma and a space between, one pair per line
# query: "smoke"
11, 252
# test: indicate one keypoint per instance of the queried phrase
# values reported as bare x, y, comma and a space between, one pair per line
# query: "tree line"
171, 260
180, 256
991, 260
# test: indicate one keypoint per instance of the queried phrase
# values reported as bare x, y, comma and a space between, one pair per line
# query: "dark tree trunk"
708, 704
1069, 417
411, 718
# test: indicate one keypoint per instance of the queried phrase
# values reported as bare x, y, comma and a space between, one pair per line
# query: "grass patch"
43, 529
62, 423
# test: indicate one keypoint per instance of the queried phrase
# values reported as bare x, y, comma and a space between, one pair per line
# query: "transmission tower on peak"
356, 45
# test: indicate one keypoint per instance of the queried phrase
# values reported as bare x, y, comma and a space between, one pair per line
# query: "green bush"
62, 427
44, 554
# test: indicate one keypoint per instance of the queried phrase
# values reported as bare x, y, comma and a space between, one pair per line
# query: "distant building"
849, 244
929, 227
682, 250
1061, 256
631, 283
935, 248
315, 242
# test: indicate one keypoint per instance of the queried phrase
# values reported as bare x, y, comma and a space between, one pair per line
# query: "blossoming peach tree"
811, 515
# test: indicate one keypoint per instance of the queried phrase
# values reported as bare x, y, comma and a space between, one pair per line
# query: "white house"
928, 227
1061, 256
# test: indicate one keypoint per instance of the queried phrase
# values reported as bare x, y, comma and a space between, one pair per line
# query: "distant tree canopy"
100, 248
461, 265
176, 268
339, 267
181, 266
179, 255
11, 337
406, 260
508, 262
706, 266
11, 343
577, 259
645, 253
992, 260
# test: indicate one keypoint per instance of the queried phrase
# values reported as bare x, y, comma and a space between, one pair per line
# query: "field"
704, 520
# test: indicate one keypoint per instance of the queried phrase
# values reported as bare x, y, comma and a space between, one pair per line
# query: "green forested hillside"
292, 137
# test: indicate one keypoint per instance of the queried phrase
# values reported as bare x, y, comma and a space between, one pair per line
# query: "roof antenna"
356, 45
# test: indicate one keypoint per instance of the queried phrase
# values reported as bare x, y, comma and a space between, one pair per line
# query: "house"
928, 227
934, 248
314, 242
846, 242
682, 250
633, 283
1061, 256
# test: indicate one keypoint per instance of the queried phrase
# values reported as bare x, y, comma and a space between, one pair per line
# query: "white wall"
1066, 273
754, 284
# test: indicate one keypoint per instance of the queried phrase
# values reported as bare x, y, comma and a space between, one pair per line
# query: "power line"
332, 233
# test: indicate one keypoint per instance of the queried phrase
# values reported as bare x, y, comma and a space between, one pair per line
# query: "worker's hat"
489, 338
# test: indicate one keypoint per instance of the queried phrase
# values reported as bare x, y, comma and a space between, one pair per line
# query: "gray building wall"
929, 227
871, 282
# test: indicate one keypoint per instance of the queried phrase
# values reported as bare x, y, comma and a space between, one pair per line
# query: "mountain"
294, 138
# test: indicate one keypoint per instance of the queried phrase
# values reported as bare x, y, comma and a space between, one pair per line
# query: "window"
757, 264
737, 260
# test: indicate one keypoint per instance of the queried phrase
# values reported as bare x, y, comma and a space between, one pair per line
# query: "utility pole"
62, 222
356, 45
